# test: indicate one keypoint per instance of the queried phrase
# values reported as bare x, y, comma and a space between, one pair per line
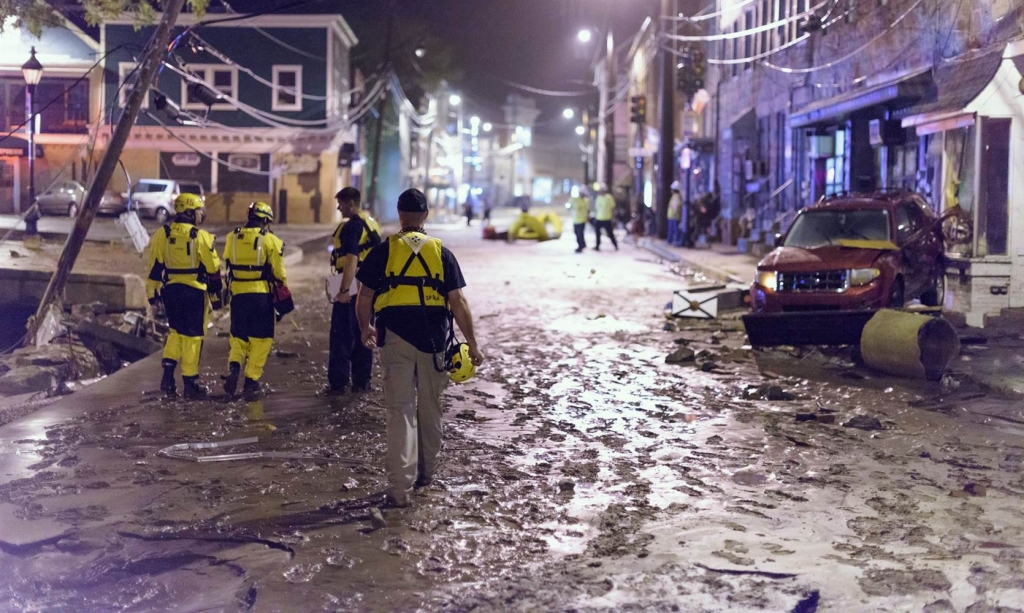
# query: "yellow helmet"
461, 367
261, 210
187, 202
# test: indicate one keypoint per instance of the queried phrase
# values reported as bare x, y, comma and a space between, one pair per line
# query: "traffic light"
690, 71
638, 109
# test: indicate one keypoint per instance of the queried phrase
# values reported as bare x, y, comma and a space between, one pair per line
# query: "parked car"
854, 252
66, 197
154, 198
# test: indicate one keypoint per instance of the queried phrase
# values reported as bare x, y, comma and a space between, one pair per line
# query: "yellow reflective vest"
605, 206
180, 253
369, 238
580, 209
255, 258
414, 275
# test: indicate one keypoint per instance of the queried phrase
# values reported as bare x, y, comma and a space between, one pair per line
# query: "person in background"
349, 362
580, 205
675, 214
605, 209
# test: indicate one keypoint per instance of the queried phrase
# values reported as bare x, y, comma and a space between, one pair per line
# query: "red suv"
855, 251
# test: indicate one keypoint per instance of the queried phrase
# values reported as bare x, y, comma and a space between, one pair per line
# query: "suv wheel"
161, 216
935, 295
896, 298
72, 210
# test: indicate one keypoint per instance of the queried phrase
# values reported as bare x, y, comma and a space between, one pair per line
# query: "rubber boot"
167, 385
231, 381
251, 390
192, 389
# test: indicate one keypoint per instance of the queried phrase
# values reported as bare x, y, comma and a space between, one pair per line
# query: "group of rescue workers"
604, 210
403, 295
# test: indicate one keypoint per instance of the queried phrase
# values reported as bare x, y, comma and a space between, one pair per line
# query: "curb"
663, 252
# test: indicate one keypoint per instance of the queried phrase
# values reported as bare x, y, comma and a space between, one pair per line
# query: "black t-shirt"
424, 328
351, 232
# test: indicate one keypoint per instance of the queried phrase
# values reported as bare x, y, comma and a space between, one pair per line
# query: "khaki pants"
412, 396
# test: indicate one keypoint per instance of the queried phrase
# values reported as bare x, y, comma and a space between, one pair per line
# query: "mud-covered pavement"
581, 472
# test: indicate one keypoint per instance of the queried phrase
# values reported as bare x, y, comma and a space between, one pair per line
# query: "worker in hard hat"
605, 210
349, 361
255, 263
675, 216
183, 272
414, 287
580, 206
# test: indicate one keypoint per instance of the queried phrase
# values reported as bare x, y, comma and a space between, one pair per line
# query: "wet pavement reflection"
580, 471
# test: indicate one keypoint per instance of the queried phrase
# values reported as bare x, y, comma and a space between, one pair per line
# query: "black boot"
251, 389
192, 389
231, 381
167, 385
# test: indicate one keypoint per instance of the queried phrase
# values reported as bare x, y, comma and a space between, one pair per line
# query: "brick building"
815, 98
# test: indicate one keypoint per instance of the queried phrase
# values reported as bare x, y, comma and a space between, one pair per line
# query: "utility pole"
153, 57
587, 144
606, 115
381, 106
666, 110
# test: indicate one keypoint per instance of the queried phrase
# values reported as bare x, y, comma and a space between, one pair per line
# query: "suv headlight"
863, 276
768, 279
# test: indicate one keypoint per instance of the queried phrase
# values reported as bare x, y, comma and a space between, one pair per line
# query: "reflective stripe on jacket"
414, 275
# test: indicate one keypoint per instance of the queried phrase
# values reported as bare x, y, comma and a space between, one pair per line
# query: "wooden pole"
73, 246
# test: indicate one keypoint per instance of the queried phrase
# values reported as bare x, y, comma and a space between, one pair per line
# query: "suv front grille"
828, 281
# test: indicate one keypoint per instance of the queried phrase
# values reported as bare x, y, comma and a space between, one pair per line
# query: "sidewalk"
718, 261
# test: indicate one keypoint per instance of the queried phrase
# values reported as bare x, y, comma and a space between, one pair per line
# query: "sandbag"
908, 344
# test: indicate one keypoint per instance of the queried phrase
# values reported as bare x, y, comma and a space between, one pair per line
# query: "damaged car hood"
828, 257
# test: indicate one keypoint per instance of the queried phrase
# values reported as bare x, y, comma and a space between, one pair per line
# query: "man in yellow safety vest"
183, 272
255, 262
349, 360
605, 206
580, 205
410, 282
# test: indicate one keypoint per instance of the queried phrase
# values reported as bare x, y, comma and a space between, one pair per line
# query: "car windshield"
144, 187
818, 228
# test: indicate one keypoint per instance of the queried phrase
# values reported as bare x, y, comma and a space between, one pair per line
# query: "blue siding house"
252, 108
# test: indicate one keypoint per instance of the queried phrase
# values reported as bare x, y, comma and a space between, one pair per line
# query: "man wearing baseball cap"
410, 283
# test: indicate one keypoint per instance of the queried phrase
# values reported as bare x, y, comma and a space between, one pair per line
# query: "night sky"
532, 42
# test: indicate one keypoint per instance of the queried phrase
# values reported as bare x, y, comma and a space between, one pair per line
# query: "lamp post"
32, 70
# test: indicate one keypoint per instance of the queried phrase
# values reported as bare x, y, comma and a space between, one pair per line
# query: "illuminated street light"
487, 127
420, 52
580, 130
584, 35
474, 120
568, 113
455, 100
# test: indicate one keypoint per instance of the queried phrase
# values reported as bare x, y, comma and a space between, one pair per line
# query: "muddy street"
581, 471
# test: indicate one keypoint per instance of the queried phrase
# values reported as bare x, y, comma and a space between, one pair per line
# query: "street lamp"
580, 130
455, 100
487, 126
568, 113
584, 35
32, 70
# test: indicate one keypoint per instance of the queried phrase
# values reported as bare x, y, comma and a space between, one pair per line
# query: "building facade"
812, 99
254, 108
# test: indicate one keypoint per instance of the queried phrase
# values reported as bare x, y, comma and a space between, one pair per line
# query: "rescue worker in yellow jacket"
349, 360
183, 272
255, 263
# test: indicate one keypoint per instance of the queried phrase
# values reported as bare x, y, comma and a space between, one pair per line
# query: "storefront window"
993, 187
835, 167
